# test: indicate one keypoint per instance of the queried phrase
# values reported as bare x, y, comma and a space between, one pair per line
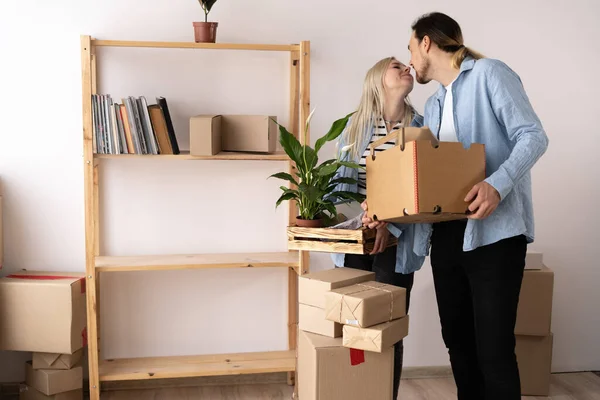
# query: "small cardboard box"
55, 360
29, 393
534, 312
249, 133
421, 179
312, 287
43, 312
377, 338
534, 260
312, 319
205, 135
53, 381
534, 355
365, 304
329, 371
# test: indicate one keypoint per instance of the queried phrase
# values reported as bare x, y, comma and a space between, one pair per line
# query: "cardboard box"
534, 260
365, 304
55, 360
534, 312
329, 371
312, 319
249, 133
534, 355
53, 381
29, 393
422, 183
205, 135
43, 312
312, 287
377, 338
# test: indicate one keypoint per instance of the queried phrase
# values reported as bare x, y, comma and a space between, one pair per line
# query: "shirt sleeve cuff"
500, 181
394, 230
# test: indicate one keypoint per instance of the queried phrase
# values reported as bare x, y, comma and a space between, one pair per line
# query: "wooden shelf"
230, 156
193, 366
196, 261
193, 45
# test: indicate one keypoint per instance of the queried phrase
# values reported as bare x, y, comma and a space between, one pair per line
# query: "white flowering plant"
314, 186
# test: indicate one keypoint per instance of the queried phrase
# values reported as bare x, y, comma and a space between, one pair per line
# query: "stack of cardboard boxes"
45, 313
533, 327
348, 325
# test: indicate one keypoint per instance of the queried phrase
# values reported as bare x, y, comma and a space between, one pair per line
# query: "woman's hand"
368, 222
381, 239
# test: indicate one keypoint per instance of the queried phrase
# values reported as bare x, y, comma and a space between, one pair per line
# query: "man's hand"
484, 199
381, 239
368, 222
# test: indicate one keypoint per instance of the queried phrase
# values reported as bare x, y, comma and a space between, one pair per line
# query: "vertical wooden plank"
304, 112
90, 229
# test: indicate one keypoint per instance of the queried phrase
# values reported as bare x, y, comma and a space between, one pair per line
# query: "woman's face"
398, 77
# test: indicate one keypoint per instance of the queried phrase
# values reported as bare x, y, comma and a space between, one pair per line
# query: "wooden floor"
577, 386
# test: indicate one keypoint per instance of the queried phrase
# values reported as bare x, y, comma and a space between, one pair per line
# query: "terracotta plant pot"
309, 223
205, 32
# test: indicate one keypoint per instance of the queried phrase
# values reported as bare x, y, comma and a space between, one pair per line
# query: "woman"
384, 107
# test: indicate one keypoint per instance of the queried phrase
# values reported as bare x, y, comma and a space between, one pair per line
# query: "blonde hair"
446, 34
371, 105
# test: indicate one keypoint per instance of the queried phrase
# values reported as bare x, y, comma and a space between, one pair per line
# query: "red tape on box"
49, 278
357, 356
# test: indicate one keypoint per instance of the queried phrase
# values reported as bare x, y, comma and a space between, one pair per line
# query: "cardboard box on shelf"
312, 319
534, 312
53, 381
329, 371
421, 179
249, 133
312, 287
534, 355
365, 304
377, 338
43, 311
29, 393
205, 135
55, 360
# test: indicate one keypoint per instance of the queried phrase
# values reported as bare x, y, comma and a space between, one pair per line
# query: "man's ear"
426, 43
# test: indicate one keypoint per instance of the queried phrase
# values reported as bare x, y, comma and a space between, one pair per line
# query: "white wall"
168, 207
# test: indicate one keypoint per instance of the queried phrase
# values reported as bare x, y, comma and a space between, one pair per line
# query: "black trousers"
384, 265
477, 294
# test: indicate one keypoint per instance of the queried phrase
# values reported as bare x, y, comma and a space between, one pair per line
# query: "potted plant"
205, 32
314, 185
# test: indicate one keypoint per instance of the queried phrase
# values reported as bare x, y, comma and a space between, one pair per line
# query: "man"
478, 263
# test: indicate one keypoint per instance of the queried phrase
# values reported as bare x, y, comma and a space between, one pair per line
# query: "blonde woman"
383, 107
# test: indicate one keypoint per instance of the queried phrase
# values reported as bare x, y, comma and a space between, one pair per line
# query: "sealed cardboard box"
205, 135
329, 371
534, 312
55, 360
43, 312
365, 304
377, 338
53, 381
312, 319
249, 133
534, 260
421, 179
312, 287
534, 355
29, 393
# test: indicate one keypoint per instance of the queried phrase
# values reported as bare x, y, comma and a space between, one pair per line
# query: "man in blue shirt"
478, 263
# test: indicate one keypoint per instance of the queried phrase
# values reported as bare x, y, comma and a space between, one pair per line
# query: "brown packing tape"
368, 286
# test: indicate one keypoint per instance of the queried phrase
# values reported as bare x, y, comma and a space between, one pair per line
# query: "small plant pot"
205, 32
309, 223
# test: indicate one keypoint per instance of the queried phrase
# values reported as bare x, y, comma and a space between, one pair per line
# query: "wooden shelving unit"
295, 261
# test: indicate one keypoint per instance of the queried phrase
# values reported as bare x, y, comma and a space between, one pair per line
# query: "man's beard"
421, 75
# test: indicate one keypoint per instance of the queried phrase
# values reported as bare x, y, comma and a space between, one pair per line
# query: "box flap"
322, 342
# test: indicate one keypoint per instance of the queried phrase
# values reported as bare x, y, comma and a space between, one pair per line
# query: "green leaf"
286, 196
328, 169
311, 158
291, 146
329, 206
285, 176
349, 181
349, 196
311, 192
336, 129
207, 5
351, 165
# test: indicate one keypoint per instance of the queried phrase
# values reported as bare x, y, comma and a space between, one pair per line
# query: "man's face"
419, 59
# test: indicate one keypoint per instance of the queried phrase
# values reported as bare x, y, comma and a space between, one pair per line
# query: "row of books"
132, 126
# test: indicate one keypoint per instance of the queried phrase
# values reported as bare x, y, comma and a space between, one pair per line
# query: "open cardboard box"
421, 180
